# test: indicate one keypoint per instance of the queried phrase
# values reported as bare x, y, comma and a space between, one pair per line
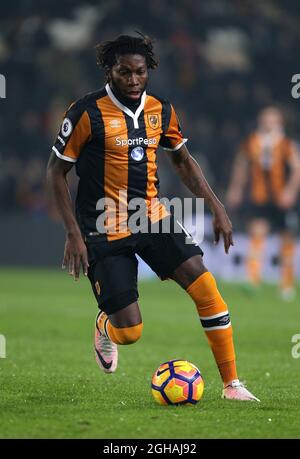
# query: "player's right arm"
75, 253
74, 133
238, 180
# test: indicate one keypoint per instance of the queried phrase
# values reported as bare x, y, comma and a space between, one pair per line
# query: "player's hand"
222, 225
287, 199
75, 255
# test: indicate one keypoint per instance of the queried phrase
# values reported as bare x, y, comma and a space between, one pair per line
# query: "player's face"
130, 75
270, 120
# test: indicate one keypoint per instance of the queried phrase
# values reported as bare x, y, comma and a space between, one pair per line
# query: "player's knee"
189, 270
128, 335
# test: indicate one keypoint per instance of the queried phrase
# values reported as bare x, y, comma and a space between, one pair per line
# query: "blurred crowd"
220, 62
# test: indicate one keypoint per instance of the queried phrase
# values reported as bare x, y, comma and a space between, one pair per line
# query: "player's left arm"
192, 176
290, 192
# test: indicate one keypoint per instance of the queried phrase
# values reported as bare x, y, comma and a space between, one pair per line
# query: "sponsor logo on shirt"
135, 142
137, 153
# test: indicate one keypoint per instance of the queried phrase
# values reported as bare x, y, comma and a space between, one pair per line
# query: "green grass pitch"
51, 387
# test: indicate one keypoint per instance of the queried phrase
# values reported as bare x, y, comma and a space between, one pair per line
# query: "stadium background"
220, 62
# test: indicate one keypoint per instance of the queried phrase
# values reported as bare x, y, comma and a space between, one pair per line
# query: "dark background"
220, 62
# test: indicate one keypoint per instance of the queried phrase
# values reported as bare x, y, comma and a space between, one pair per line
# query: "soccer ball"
177, 382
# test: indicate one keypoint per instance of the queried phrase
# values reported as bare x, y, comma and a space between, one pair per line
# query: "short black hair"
107, 52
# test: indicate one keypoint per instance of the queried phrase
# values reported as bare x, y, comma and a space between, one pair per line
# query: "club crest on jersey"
153, 121
137, 153
66, 127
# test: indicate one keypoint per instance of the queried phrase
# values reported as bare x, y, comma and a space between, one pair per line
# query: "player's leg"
258, 229
287, 262
113, 277
173, 255
122, 327
200, 284
170, 256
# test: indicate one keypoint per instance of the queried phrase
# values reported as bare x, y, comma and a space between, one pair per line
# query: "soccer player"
268, 162
112, 136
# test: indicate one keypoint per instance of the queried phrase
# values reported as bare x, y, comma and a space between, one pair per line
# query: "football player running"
107, 135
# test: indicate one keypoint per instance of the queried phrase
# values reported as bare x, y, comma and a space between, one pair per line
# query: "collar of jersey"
134, 116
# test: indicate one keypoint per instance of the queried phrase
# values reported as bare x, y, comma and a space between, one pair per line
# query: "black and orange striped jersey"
269, 166
115, 151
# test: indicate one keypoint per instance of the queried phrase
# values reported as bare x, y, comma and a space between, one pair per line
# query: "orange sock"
255, 259
125, 335
287, 264
215, 320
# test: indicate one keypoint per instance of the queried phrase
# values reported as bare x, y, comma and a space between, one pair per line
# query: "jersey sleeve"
172, 139
74, 133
